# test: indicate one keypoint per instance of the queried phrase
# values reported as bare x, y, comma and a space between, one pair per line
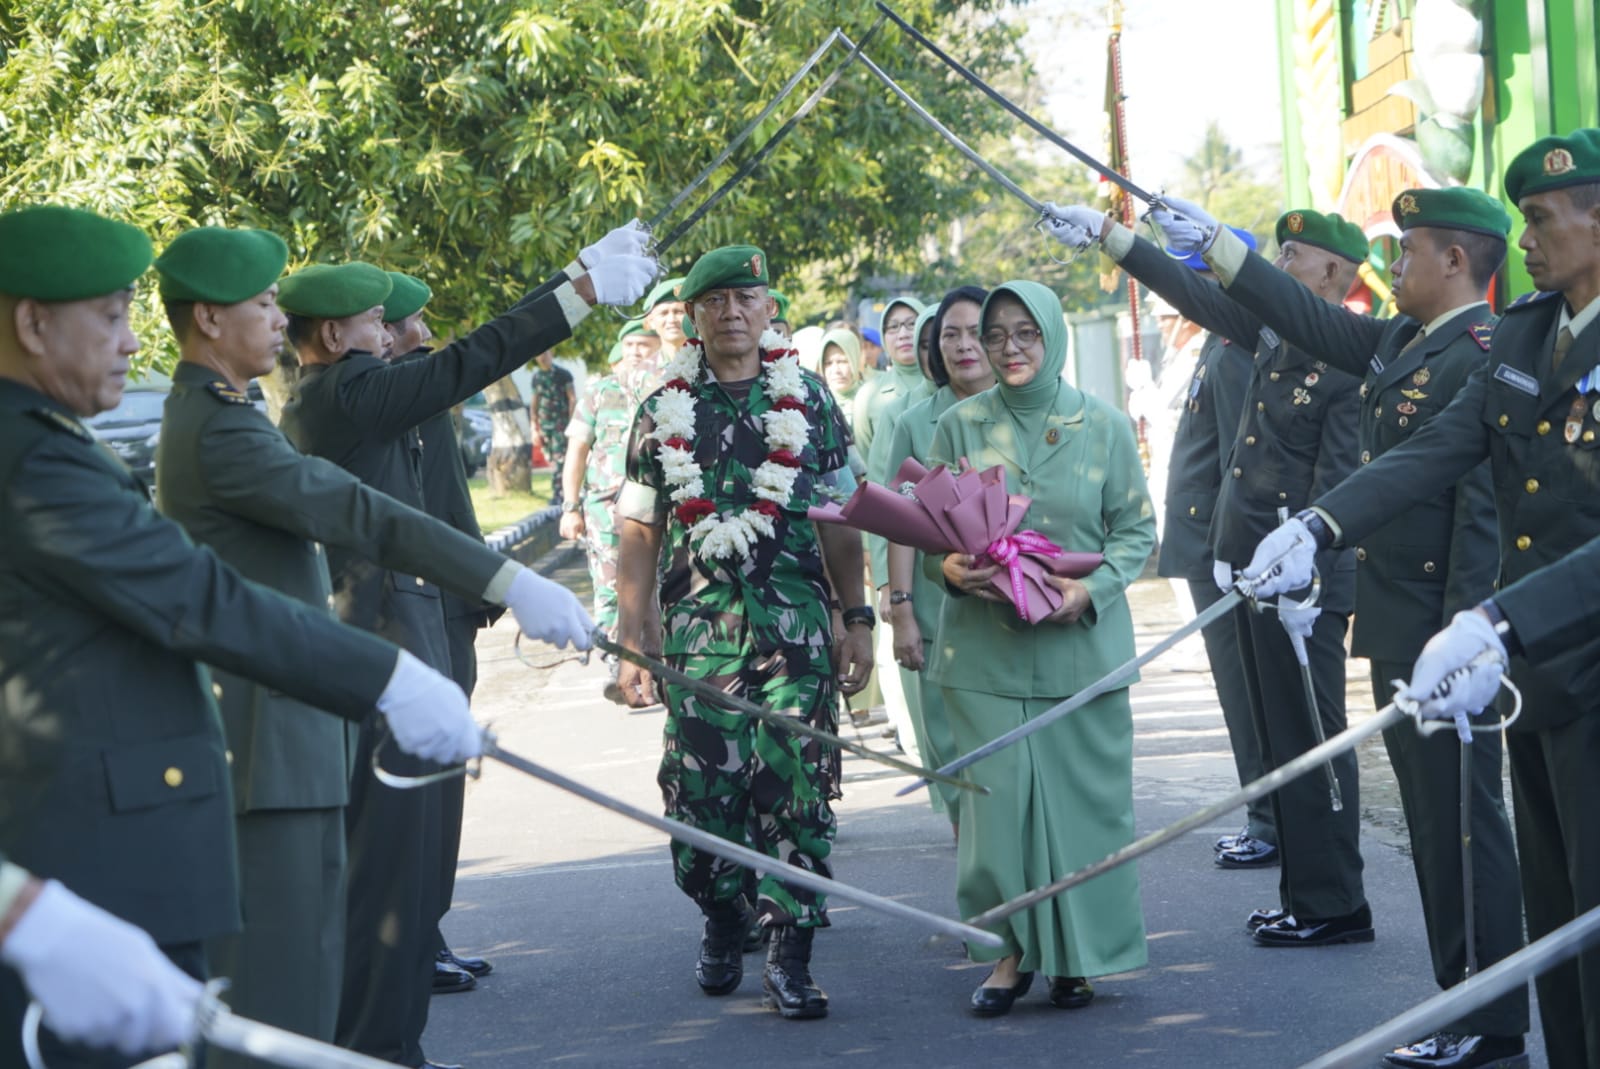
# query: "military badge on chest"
1575, 414
1415, 391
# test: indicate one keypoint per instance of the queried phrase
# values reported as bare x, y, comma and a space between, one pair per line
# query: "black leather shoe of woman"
1070, 992
996, 1001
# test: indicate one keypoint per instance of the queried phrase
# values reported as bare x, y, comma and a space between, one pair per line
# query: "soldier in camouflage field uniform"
723, 462
596, 459
551, 409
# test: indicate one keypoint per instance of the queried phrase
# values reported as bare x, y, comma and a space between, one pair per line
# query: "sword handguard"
472, 769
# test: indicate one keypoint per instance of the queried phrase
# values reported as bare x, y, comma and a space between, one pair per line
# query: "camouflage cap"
1330, 232
219, 265
52, 253
333, 291
1554, 163
730, 267
409, 296
1457, 208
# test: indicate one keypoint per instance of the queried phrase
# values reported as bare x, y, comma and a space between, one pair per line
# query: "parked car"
476, 432
132, 429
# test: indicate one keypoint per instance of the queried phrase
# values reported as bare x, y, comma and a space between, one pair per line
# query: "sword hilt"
473, 768
1428, 726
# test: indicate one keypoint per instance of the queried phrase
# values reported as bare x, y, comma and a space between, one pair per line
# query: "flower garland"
787, 430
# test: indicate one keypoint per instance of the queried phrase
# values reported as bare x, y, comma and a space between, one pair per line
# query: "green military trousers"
601, 544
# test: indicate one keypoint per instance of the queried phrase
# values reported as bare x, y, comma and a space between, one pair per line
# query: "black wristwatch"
1321, 533
861, 614
899, 597
1502, 626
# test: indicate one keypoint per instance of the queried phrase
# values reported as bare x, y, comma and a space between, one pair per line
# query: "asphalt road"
594, 947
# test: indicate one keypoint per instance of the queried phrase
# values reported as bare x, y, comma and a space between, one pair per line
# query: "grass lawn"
495, 512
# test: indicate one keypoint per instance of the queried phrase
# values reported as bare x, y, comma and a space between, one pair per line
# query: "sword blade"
765, 150
1034, 124
1505, 975
241, 1035
1309, 685
778, 720
1469, 910
1113, 679
743, 855
960, 146
744, 135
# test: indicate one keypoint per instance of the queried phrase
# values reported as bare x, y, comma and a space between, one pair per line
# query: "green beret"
51, 253
1330, 232
783, 306
333, 291
664, 291
1458, 208
1554, 163
220, 266
407, 297
615, 356
635, 326
730, 267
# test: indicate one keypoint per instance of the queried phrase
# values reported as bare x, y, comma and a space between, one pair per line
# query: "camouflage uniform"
551, 412
603, 419
760, 629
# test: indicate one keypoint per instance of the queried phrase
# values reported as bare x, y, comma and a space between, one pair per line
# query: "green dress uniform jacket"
1555, 604
1412, 575
1543, 444
113, 774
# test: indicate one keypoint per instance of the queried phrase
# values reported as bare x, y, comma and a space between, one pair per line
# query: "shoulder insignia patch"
1531, 298
61, 422
1482, 333
227, 394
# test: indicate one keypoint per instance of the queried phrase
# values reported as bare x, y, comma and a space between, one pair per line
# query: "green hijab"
925, 317
906, 376
1029, 405
846, 340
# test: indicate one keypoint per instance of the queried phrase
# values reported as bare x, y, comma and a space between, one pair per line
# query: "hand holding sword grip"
1188, 228
1459, 670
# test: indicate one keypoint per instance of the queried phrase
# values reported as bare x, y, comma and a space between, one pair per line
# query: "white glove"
630, 239
621, 280
428, 714
1188, 227
1222, 575
1074, 225
1291, 542
100, 980
1439, 694
1298, 620
548, 611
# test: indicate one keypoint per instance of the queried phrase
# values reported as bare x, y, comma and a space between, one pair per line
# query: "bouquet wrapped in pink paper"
939, 512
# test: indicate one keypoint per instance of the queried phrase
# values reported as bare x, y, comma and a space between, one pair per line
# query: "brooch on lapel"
1052, 436
1302, 396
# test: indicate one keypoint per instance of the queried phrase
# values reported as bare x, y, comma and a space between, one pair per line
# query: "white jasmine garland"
722, 537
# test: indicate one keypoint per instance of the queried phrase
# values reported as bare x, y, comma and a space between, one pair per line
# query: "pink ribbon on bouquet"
1007, 552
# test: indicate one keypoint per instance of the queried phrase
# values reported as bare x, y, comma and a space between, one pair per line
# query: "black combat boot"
721, 965
787, 979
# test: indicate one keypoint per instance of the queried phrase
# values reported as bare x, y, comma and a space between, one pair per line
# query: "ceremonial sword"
1503, 977
218, 1026
711, 844
1349, 739
1038, 127
1309, 685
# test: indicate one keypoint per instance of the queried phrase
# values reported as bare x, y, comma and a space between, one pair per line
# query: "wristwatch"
1502, 626
570, 506
899, 597
861, 614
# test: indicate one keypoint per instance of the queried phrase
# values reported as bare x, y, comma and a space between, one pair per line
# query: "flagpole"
1122, 161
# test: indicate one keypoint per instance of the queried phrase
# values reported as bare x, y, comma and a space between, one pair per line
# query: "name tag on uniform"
1269, 337
1517, 380
1376, 365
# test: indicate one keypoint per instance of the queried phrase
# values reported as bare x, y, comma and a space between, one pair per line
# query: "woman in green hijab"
1062, 797
841, 363
904, 375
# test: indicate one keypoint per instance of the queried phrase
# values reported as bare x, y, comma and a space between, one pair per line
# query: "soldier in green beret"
723, 462
114, 774
780, 319
234, 483
664, 315
1415, 573
1296, 439
1530, 410
596, 465
362, 413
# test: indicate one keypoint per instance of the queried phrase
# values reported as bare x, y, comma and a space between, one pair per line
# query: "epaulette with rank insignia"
1482, 333
1531, 298
50, 417
227, 393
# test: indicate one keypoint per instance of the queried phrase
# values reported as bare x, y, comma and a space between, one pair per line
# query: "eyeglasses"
1025, 337
899, 327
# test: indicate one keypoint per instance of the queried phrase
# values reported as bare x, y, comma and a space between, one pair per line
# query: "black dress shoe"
1070, 992
1451, 1050
1292, 932
1227, 841
1247, 852
996, 1001
721, 964
447, 979
475, 966
1259, 917
787, 977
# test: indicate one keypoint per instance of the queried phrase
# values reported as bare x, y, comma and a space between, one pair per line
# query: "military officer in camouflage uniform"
596, 461
234, 483
1296, 439
352, 408
551, 407
723, 463
114, 773
1530, 410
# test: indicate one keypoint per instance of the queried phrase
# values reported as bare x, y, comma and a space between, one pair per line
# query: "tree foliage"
1216, 178
480, 143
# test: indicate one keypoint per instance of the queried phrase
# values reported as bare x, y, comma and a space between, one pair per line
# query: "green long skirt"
1059, 799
